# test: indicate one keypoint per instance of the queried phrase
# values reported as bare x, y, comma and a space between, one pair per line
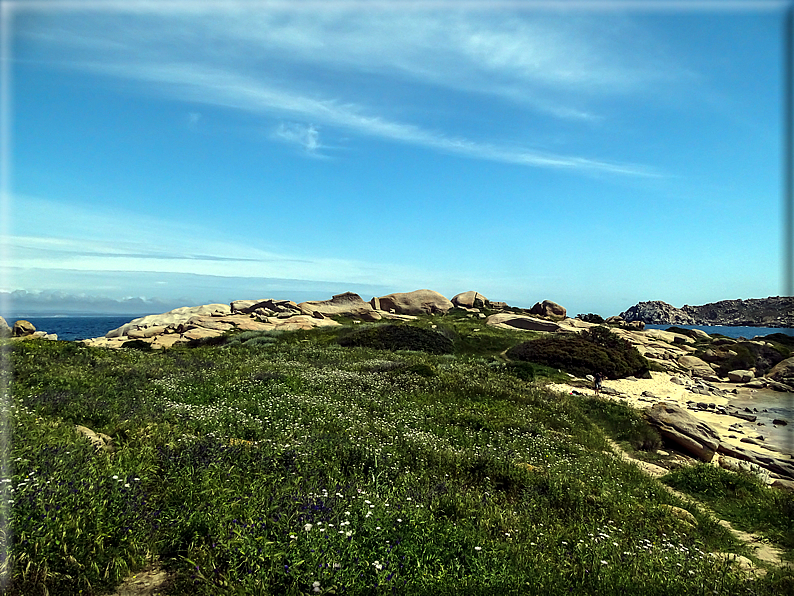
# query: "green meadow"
266, 463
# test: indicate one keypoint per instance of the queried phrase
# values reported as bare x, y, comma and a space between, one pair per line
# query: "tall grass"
296, 466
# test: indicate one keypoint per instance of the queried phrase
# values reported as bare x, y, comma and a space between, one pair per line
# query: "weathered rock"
176, 316
99, 440
547, 308
687, 432
636, 325
614, 320
5, 330
681, 514
346, 305
656, 312
740, 376
499, 305
696, 366
470, 299
782, 370
783, 484
780, 466
145, 332
418, 302
242, 306
23, 328
511, 321
780, 422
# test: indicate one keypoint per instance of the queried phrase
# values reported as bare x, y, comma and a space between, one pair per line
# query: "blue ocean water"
735, 332
74, 327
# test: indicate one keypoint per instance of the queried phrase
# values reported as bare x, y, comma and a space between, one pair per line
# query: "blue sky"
596, 155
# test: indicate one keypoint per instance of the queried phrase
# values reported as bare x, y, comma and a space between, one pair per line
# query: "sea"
74, 327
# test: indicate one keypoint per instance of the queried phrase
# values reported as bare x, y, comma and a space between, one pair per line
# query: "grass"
288, 464
742, 499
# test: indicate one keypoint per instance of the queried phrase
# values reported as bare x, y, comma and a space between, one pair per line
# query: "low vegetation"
594, 350
290, 464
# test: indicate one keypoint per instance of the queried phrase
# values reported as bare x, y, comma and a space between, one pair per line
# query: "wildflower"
348, 534
399, 520
377, 528
308, 527
316, 586
378, 565
115, 476
293, 537
478, 548
604, 562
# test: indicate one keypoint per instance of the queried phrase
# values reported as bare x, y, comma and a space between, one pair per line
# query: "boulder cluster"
22, 330
186, 324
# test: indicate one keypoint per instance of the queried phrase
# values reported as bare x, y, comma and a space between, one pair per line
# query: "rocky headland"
775, 311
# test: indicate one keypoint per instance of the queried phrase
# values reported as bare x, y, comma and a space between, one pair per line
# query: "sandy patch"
663, 389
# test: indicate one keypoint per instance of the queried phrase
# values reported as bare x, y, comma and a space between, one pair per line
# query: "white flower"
477, 548
377, 528
322, 529
348, 533
399, 520
377, 565
115, 476
308, 527
293, 537
604, 562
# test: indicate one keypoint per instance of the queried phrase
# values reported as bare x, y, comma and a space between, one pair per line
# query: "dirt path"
149, 581
762, 550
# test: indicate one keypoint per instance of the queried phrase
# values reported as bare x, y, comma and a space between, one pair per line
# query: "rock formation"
684, 430
506, 320
656, 312
775, 311
347, 304
23, 328
418, 302
547, 308
470, 299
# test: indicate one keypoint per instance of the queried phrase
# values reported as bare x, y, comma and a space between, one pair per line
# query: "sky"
596, 154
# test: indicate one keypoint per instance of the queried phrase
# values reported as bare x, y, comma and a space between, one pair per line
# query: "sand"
726, 426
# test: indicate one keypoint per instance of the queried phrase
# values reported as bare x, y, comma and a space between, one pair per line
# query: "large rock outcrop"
470, 299
172, 317
775, 311
346, 305
547, 308
656, 312
418, 302
684, 430
5, 330
506, 320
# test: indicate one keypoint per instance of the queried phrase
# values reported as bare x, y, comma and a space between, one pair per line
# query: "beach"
778, 440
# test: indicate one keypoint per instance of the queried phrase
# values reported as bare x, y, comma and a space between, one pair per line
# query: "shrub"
137, 344
591, 318
398, 337
594, 350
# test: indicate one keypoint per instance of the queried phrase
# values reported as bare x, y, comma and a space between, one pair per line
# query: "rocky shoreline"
775, 311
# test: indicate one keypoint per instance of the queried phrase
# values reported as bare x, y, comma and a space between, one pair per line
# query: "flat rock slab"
504, 320
687, 432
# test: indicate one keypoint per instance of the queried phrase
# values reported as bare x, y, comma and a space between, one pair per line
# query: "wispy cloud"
305, 136
325, 66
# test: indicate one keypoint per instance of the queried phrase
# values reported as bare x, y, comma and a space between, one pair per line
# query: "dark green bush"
398, 337
591, 318
594, 350
137, 344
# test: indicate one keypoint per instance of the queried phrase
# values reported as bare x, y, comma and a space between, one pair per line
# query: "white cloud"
304, 135
265, 59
